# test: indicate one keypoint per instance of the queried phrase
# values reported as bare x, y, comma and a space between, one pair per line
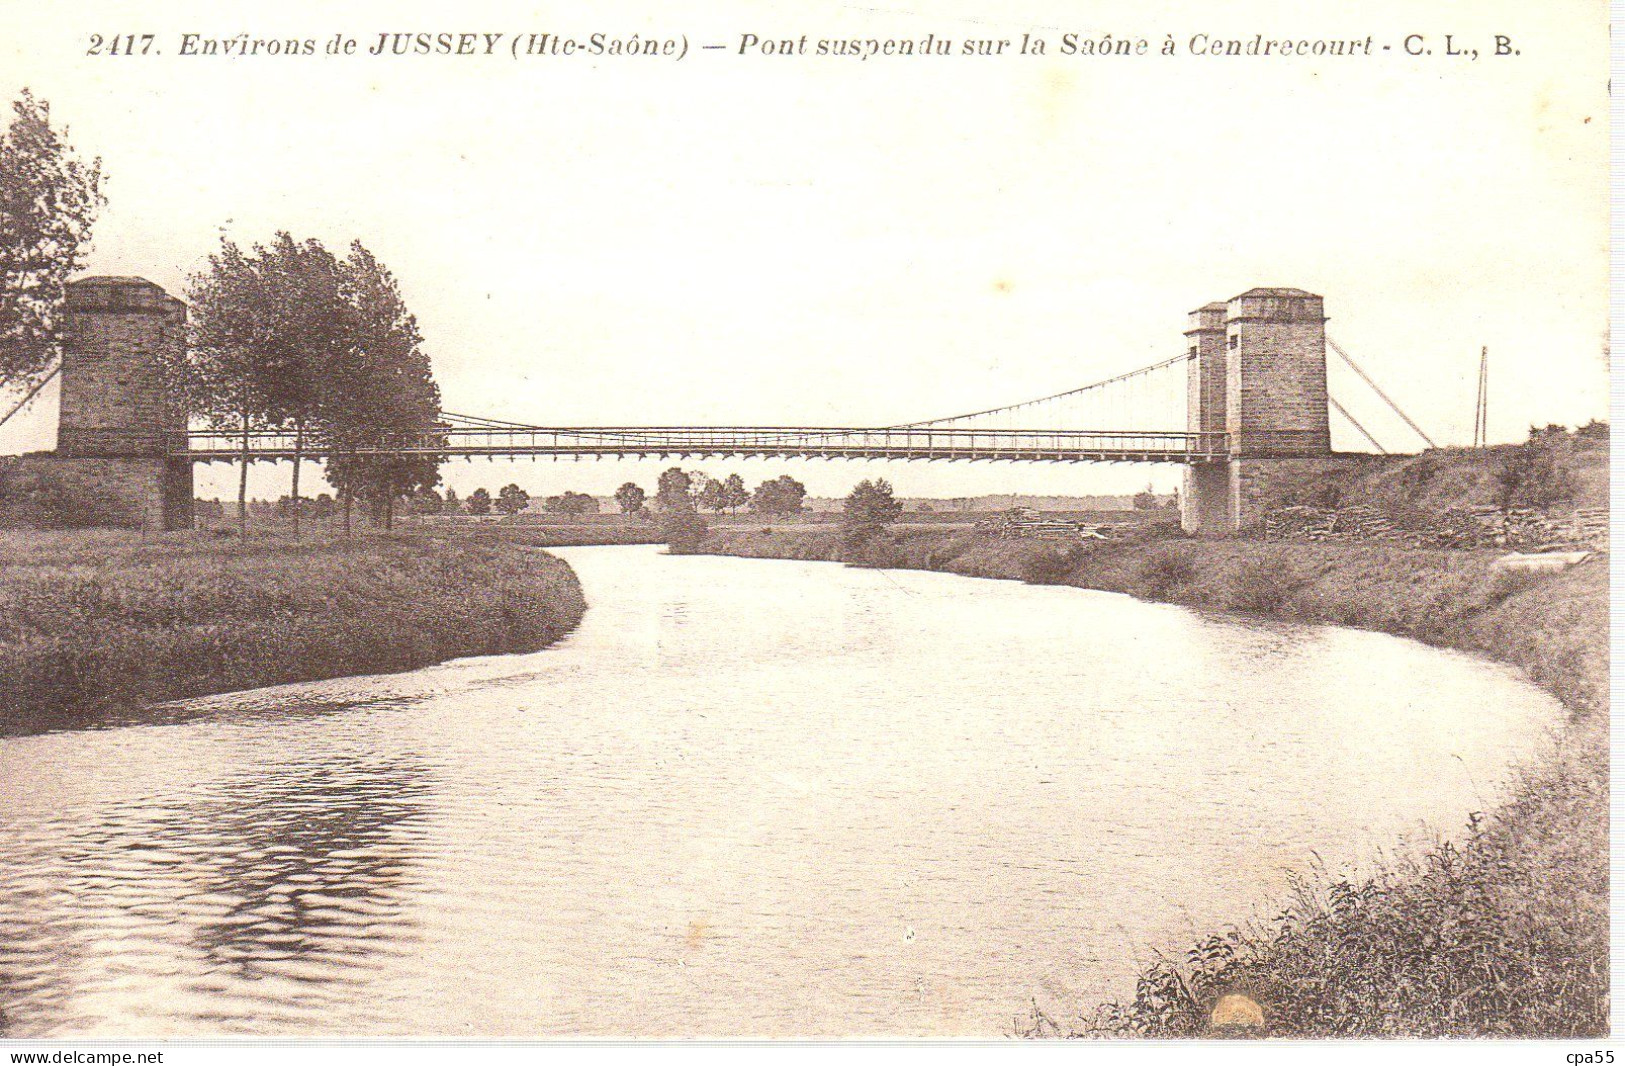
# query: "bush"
874, 548
684, 532
36, 497
1166, 572
1051, 567
1161, 529
1531, 475
940, 558
870, 506
1259, 585
1436, 947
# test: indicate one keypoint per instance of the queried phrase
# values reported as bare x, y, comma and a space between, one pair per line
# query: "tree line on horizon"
677, 492
779, 497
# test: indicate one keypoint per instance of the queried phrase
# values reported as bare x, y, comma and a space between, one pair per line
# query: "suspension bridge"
1248, 390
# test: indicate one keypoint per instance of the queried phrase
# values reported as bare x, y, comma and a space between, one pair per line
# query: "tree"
630, 498
286, 336
451, 504
288, 507
512, 499
781, 496
672, 492
734, 493
1145, 499
1530, 474
697, 481
48, 203
712, 497
427, 501
684, 532
479, 502
871, 506
267, 326
217, 375
382, 393
572, 503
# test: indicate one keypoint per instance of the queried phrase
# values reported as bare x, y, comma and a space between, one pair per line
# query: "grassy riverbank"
89, 620
1503, 933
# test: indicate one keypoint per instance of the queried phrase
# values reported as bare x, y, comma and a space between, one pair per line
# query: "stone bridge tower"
1258, 374
118, 416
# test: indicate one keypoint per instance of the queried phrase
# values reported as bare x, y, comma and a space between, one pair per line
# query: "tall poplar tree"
267, 326
49, 199
382, 393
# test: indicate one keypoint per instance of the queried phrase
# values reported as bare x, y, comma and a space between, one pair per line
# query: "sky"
753, 239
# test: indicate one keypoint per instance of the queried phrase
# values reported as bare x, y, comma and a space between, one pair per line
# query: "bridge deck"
815, 442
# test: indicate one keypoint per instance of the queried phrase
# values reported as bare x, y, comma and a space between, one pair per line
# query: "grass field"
90, 619
1504, 934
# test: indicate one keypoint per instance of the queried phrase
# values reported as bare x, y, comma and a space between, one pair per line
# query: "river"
743, 798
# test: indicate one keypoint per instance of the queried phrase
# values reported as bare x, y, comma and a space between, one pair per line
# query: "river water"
744, 798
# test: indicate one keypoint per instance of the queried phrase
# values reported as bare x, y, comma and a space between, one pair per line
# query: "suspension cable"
31, 393
488, 423
1340, 409
1046, 399
1338, 348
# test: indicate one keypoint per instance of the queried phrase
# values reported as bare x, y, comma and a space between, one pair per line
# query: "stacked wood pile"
1326, 523
1520, 529
1590, 527
1024, 522
1467, 527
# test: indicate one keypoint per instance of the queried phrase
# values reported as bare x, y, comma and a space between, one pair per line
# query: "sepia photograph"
788, 521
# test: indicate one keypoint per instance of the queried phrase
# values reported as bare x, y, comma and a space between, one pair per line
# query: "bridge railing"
813, 441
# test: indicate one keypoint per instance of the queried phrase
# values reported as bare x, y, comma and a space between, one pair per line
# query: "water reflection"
290, 873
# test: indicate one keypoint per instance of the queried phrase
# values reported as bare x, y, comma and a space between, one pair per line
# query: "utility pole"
1481, 412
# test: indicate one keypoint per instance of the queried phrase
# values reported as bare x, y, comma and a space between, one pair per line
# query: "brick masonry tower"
1273, 403
1275, 369
117, 415
1207, 485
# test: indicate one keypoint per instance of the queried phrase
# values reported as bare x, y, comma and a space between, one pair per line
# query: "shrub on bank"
1166, 572
1051, 565
684, 532
873, 548
1260, 585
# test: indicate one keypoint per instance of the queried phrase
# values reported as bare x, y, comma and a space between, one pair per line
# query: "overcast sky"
765, 240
